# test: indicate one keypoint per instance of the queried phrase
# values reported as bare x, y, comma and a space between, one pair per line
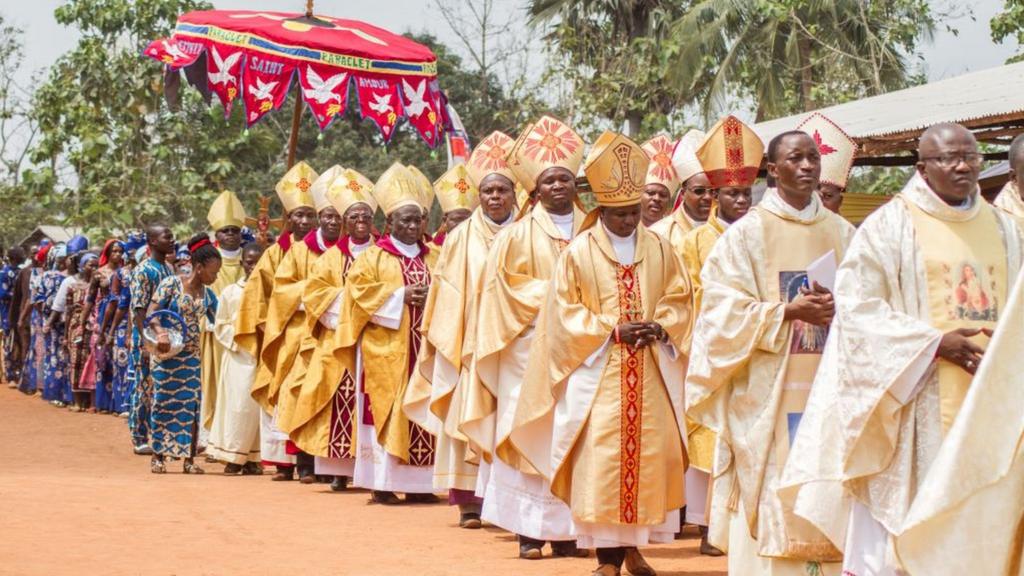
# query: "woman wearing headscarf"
96, 314
30, 321
176, 379
71, 303
54, 352
117, 329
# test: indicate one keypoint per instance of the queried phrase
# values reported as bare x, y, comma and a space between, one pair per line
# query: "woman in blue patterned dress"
97, 306
176, 380
56, 386
32, 371
119, 337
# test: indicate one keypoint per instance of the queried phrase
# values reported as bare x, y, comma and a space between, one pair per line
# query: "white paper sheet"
823, 271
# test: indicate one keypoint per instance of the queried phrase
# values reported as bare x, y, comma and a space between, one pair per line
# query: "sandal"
191, 467
156, 466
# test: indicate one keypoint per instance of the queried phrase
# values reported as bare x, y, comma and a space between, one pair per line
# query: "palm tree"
782, 51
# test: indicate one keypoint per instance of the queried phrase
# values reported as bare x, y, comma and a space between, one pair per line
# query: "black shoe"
422, 499
339, 484
568, 549
252, 469
386, 498
470, 521
530, 550
284, 474
233, 469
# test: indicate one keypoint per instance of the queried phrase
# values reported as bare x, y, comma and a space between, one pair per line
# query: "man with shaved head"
1009, 199
146, 277
925, 281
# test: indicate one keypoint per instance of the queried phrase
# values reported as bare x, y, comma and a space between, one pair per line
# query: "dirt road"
74, 500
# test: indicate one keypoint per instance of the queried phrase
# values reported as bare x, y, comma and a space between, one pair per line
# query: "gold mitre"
489, 157
424, 189
660, 170
397, 187
293, 189
546, 143
455, 190
615, 169
836, 147
319, 189
684, 156
351, 188
731, 154
226, 210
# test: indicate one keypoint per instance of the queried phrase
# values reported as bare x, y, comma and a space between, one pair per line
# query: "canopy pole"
293, 141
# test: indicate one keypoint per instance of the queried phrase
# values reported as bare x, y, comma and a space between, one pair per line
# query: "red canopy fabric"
254, 56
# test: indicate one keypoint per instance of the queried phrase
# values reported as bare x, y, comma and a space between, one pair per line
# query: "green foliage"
1009, 24
103, 117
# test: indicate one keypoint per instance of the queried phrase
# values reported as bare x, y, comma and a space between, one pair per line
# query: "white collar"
407, 250
230, 253
561, 218
357, 249
511, 218
624, 246
320, 240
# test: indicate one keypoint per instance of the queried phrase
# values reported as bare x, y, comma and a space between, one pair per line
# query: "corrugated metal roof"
991, 93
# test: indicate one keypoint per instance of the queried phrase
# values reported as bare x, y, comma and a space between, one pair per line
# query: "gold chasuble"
696, 248
286, 325
1009, 201
437, 388
516, 282
252, 313
388, 351
977, 516
882, 402
322, 418
612, 448
749, 376
675, 227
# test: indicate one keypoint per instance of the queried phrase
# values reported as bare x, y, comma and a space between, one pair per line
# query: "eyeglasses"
700, 191
972, 159
359, 218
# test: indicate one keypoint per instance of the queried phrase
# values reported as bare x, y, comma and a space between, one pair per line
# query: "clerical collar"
692, 220
407, 250
320, 240
511, 218
624, 246
357, 249
964, 206
564, 223
230, 253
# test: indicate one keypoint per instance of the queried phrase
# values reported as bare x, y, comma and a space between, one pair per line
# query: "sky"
948, 55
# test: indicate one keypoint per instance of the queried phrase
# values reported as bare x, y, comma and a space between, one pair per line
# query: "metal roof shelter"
989, 102
53, 233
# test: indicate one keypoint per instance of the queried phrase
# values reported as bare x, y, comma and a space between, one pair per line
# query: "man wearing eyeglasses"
693, 204
923, 284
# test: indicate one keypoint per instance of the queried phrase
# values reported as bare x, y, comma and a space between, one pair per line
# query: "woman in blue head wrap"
56, 387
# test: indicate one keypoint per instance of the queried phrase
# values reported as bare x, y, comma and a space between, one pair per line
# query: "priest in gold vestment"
322, 420
755, 349
733, 200
286, 329
226, 218
544, 159
926, 279
693, 203
293, 191
601, 406
437, 388
1009, 198
385, 291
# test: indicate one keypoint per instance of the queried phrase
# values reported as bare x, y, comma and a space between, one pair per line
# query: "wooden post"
293, 141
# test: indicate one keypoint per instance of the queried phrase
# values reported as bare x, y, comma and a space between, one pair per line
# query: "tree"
797, 55
617, 54
1009, 24
17, 132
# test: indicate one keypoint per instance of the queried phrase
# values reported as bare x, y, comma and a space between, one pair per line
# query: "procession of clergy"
818, 399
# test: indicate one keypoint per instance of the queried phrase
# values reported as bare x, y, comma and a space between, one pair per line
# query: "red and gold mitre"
351, 188
660, 170
544, 144
455, 190
293, 189
615, 169
490, 157
836, 147
731, 154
